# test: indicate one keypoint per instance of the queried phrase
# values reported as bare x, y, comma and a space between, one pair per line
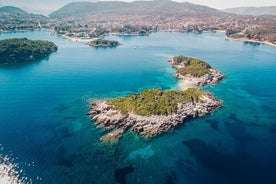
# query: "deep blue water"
45, 131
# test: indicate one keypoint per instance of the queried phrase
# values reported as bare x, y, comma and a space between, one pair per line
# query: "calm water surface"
46, 135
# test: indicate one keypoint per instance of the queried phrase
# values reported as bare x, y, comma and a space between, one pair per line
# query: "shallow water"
45, 131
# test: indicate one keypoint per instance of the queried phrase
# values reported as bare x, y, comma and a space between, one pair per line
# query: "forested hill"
12, 10
152, 8
14, 19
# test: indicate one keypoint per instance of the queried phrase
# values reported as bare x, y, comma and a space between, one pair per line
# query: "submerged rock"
121, 173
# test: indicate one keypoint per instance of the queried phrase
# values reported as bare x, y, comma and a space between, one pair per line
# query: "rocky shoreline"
208, 79
198, 103
105, 116
213, 76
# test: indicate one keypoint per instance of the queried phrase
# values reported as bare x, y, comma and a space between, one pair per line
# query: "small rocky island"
150, 112
195, 71
23, 50
154, 111
104, 43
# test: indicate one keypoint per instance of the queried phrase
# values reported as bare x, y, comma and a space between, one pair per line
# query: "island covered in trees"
104, 43
150, 112
195, 71
23, 50
154, 111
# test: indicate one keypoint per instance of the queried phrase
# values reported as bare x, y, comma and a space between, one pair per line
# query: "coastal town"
93, 26
251, 28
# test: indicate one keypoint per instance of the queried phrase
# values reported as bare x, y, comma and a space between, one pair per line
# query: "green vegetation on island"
22, 50
155, 101
193, 66
153, 111
104, 43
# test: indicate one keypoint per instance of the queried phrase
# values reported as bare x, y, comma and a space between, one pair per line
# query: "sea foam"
10, 172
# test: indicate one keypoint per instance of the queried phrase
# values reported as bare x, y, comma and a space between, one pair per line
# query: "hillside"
152, 8
15, 19
12, 10
255, 11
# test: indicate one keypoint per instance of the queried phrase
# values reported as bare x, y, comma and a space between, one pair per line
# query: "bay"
45, 132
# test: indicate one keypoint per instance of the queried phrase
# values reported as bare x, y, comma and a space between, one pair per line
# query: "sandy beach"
84, 40
247, 40
185, 84
87, 40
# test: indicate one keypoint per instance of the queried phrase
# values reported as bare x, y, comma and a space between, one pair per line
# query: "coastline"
189, 81
183, 84
248, 40
117, 123
221, 31
86, 40
16, 51
213, 77
83, 40
130, 34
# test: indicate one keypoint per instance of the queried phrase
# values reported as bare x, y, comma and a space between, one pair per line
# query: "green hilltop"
12, 10
193, 66
104, 43
22, 50
155, 101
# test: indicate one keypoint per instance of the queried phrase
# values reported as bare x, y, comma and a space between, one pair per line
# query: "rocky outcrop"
105, 116
211, 78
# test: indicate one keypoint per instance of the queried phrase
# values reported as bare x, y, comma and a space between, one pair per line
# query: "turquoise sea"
47, 137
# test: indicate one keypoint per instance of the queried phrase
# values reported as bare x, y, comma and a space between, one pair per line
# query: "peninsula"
195, 71
104, 43
150, 112
22, 50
